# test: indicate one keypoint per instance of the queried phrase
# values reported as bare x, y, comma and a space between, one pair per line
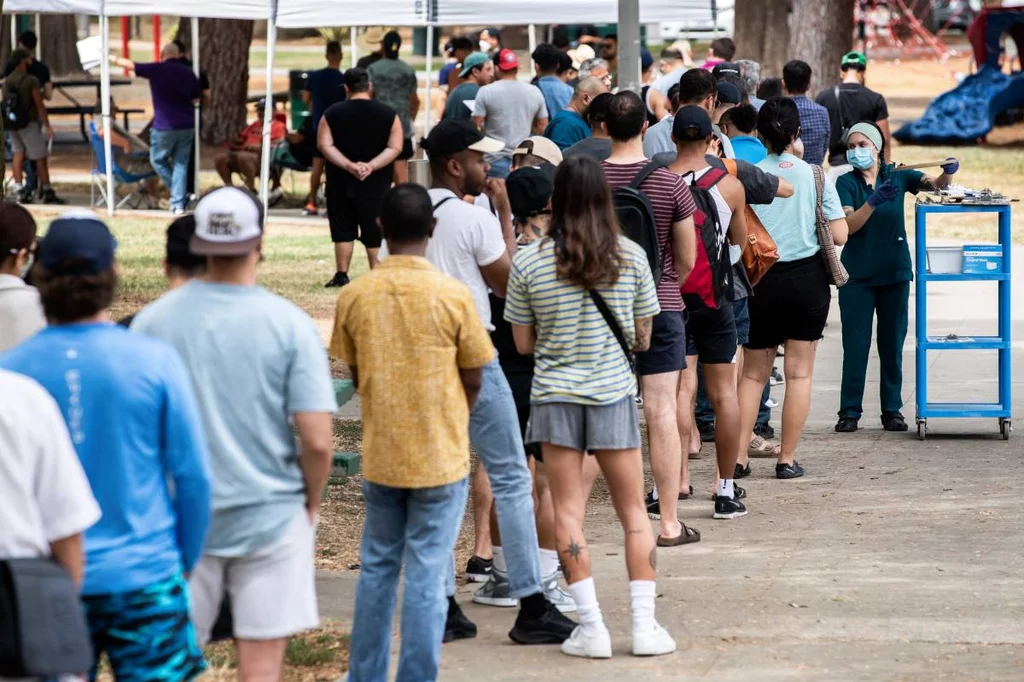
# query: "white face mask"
485, 46
29, 262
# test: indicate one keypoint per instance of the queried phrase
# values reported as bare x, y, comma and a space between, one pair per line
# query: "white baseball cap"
229, 222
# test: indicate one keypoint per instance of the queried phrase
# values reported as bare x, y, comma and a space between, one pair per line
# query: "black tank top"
651, 118
360, 128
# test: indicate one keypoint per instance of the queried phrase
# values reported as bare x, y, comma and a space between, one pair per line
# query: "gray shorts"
31, 140
585, 428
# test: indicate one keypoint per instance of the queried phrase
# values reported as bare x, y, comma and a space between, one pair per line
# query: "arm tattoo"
926, 185
654, 558
643, 334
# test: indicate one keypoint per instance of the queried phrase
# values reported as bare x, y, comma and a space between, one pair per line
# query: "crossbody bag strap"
613, 324
443, 202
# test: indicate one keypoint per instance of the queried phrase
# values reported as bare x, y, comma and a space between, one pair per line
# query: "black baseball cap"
729, 93
529, 189
79, 236
691, 123
452, 136
725, 67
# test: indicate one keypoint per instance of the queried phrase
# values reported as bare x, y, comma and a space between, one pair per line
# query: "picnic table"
80, 109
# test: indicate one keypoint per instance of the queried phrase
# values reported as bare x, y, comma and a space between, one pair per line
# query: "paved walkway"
892, 560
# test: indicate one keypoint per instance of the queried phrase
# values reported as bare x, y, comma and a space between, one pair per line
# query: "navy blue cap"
729, 93
646, 59
80, 236
691, 123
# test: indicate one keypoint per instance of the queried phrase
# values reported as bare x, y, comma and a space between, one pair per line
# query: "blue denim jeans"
495, 435
170, 152
500, 168
421, 526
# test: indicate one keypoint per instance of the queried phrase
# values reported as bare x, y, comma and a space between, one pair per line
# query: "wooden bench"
345, 463
74, 110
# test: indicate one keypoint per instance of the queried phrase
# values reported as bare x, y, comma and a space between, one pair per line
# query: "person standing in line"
583, 390
750, 72
740, 124
29, 133
263, 384
508, 111
792, 301
415, 474
672, 68
657, 103
610, 52
132, 416
877, 256
175, 90
660, 366
21, 312
360, 140
490, 42
851, 102
204, 101
557, 94
569, 125
815, 126
597, 145
394, 85
477, 71
323, 89
696, 86
457, 50
27, 41
371, 41
470, 244
721, 50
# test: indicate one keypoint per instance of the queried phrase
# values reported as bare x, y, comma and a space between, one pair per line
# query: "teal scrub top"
878, 253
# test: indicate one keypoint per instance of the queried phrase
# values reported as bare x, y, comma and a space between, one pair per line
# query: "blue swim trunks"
147, 634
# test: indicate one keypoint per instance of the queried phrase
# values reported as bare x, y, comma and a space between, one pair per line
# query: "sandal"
893, 421
849, 424
687, 495
687, 537
759, 447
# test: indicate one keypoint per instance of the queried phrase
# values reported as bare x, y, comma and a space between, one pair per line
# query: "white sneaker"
771, 403
653, 642
562, 600
597, 644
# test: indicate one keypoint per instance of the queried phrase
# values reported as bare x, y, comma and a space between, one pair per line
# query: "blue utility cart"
995, 272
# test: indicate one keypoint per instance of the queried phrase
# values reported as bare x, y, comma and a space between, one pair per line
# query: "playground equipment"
968, 112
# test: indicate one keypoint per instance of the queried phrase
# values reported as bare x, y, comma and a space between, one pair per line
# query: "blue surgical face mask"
860, 158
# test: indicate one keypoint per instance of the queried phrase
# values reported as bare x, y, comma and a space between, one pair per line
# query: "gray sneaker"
495, 591
562, 600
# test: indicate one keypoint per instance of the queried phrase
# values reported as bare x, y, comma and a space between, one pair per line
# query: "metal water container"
419, 172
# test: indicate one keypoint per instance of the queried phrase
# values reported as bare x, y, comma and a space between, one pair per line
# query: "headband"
869, 131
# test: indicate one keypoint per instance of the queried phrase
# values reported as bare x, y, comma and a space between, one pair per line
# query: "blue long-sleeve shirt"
130, 409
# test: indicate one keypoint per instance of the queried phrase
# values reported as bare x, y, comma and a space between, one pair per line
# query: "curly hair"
69, 296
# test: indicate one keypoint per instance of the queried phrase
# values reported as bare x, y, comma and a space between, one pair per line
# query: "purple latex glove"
952, 167
885, 193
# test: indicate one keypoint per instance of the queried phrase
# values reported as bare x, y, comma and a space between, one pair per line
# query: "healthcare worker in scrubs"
878, 259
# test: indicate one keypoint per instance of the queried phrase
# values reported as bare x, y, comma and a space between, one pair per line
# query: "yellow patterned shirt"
409, 329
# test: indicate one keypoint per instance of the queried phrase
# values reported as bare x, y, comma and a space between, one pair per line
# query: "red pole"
156, 38
125, 39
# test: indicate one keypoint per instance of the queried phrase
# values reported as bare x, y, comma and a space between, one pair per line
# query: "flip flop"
759, 447
688, 536
686, 495
696, 455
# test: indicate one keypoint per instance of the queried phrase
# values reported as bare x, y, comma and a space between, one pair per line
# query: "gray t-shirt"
658, 139
509, 109
597, 148
394, 83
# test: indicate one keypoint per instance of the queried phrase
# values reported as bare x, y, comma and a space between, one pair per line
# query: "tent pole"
196, 121
39, 32
430, 76
269, 111
714, 18
14, 32
108, 155
629, 45
353, 34
533, 46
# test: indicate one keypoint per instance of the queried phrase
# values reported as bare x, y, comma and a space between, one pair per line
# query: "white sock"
548, 562
587, 608
654, 493
642, 594
499, 560
725, 488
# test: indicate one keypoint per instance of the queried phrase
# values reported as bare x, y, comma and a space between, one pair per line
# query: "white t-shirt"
21, 313
509, 109
724, 213
44, 494
467, 238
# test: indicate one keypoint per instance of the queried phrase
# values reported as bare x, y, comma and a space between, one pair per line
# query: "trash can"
296, 83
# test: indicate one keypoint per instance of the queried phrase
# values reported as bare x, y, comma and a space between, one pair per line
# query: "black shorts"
407, 150
711, 335
790, 302
354, 217
521, 385
668, 345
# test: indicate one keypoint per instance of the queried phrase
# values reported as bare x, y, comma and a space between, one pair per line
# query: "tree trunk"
58, 38
824, 35
777, 37
224, 56
750, 32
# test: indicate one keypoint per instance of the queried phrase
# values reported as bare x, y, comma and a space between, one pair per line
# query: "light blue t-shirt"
132, 416
556, 94
255, 360
748, 148
566, 129
792, 222
658, 139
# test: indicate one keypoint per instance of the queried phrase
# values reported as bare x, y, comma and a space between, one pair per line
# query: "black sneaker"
846, 425
707, 432
339, 280
653, 507
550, 627
729, 508
479, 570
457, 626
742, 472
765, 430
788, 471
738, 492
894, 421
50, 197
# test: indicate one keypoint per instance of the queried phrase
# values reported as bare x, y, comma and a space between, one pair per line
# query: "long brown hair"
584, 226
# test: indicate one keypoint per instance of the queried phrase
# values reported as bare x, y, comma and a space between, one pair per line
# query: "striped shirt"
672, 202
578, 358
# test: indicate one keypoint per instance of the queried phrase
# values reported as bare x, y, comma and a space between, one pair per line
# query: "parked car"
954, 15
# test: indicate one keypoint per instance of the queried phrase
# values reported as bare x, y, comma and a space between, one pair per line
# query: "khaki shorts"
272, 590
30, 140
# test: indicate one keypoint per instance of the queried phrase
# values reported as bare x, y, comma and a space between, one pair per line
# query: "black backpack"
16, 112
636, 218
710, 279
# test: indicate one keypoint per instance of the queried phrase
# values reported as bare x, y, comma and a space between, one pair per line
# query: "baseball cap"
507, 60
729, 93
540, 146
472, 61
854, 59
229, 222
581, 54
81, 236
691, 123
529, 189
646, 59
725, 67
452, 136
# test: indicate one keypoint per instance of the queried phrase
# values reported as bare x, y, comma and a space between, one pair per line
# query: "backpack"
709, 281
16, 112
636, 218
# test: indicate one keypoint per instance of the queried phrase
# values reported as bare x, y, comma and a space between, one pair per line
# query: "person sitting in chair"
243, 156
131, 154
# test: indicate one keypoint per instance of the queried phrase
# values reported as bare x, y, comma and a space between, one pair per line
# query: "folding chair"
134, 196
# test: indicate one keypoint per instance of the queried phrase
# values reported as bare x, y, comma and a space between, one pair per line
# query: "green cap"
855, 59
473, 60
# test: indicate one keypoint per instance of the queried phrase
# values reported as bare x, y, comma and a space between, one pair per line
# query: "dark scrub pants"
878, 259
